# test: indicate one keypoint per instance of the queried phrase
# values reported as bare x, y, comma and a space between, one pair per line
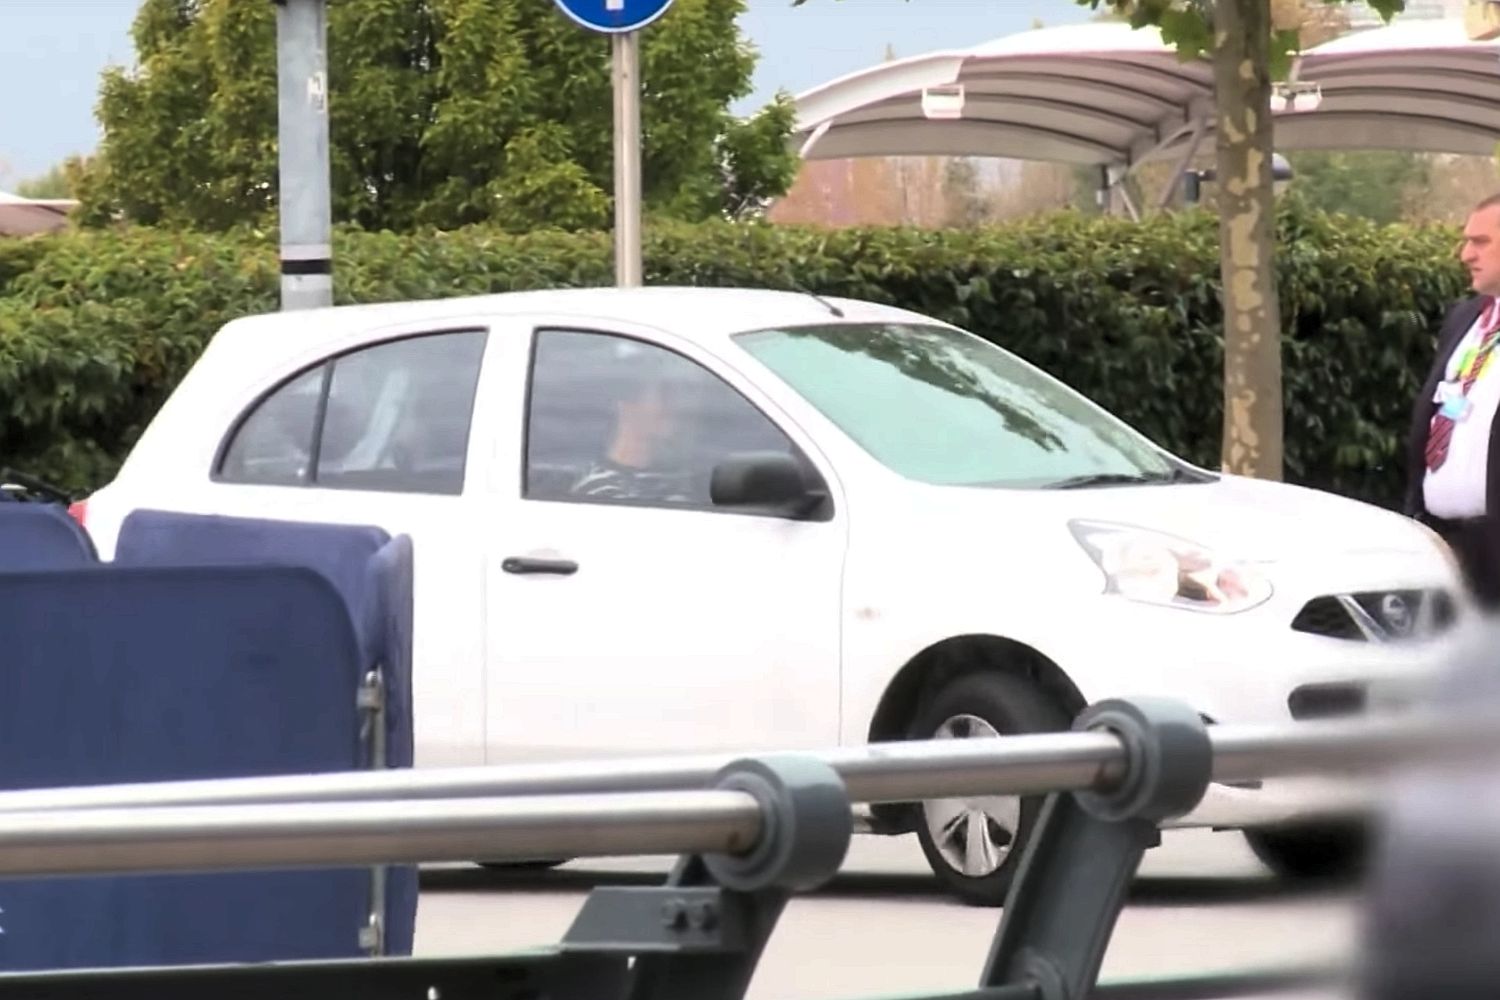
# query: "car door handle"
555, 567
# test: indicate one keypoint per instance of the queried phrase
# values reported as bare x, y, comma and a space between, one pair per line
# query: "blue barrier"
211, 647
371, 572
42, 536
119, 675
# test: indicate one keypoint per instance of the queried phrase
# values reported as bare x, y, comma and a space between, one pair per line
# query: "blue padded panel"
342, 553
42, 536
125, 675
369, 569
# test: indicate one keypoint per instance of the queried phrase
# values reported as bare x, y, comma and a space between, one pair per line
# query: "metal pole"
884, 772
351, 834
344, 830
302, 131
1243, 753
625, 60
373, 702
881, 772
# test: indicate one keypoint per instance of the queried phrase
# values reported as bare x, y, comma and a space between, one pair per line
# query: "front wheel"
1333, 850
522, 866
974, 845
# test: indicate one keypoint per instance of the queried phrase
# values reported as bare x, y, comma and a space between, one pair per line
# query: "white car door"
380, 433
626, 614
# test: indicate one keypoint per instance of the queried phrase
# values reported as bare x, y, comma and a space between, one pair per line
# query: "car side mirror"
773, 481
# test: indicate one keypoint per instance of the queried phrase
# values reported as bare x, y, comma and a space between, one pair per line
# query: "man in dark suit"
1453, 450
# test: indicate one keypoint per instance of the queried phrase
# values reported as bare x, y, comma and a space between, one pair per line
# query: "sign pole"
302, 131
625, 57
623, 20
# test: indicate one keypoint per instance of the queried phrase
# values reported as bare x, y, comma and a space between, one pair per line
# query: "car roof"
694, 313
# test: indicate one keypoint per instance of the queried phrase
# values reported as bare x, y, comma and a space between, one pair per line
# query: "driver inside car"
646, 458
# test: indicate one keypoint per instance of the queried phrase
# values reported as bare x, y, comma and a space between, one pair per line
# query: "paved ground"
1203, 904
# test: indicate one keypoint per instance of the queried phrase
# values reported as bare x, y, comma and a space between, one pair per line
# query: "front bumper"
1266, 666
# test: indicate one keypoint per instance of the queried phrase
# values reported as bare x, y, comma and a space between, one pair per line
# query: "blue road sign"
614, 16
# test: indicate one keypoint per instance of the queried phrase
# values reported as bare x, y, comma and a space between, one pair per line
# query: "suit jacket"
1457, 323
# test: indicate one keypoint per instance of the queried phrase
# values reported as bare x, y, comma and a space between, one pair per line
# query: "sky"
52, 52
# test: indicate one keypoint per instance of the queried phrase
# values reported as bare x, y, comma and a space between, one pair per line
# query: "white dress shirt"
1458, 488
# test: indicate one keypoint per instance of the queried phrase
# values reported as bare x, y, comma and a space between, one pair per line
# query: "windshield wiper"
1124, 479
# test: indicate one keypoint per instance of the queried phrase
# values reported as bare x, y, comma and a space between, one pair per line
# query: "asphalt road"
1202, 904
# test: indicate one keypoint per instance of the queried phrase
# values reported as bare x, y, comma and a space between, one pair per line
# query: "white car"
672, 519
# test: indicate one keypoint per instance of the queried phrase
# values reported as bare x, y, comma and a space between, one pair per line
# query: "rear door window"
392, 417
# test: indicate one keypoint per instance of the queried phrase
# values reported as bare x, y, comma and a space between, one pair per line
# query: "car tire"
521, 866
1326, 851
974, 845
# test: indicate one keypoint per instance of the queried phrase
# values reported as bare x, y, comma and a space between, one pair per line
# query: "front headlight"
1155, 568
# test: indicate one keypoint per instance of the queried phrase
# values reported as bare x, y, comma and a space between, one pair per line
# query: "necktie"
1440, 433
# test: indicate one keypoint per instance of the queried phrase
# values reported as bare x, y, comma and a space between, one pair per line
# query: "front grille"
1327, 701
1378, 616
1326, 616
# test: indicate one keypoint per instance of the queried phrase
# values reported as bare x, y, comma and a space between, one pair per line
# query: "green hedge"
95, 327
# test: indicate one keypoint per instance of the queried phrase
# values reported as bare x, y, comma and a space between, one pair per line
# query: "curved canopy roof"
1109, 95
24, 216
1419, 85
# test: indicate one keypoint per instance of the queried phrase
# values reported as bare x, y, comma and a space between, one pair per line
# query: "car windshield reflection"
941, 406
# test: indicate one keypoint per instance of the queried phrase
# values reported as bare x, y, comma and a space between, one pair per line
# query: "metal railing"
752, 830
907, 771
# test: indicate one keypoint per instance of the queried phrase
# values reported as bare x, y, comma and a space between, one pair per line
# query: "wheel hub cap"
973, 835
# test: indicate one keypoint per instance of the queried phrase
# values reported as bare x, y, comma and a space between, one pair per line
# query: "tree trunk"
1247, 233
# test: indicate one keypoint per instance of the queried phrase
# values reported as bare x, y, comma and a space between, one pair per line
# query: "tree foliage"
1188, 25
967, 205
1372, 184
442, 113
884, 191
55, 183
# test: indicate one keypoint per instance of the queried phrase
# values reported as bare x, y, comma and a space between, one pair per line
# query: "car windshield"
942, 406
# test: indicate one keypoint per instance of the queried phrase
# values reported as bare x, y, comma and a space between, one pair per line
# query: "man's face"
651, 418
1480, 252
